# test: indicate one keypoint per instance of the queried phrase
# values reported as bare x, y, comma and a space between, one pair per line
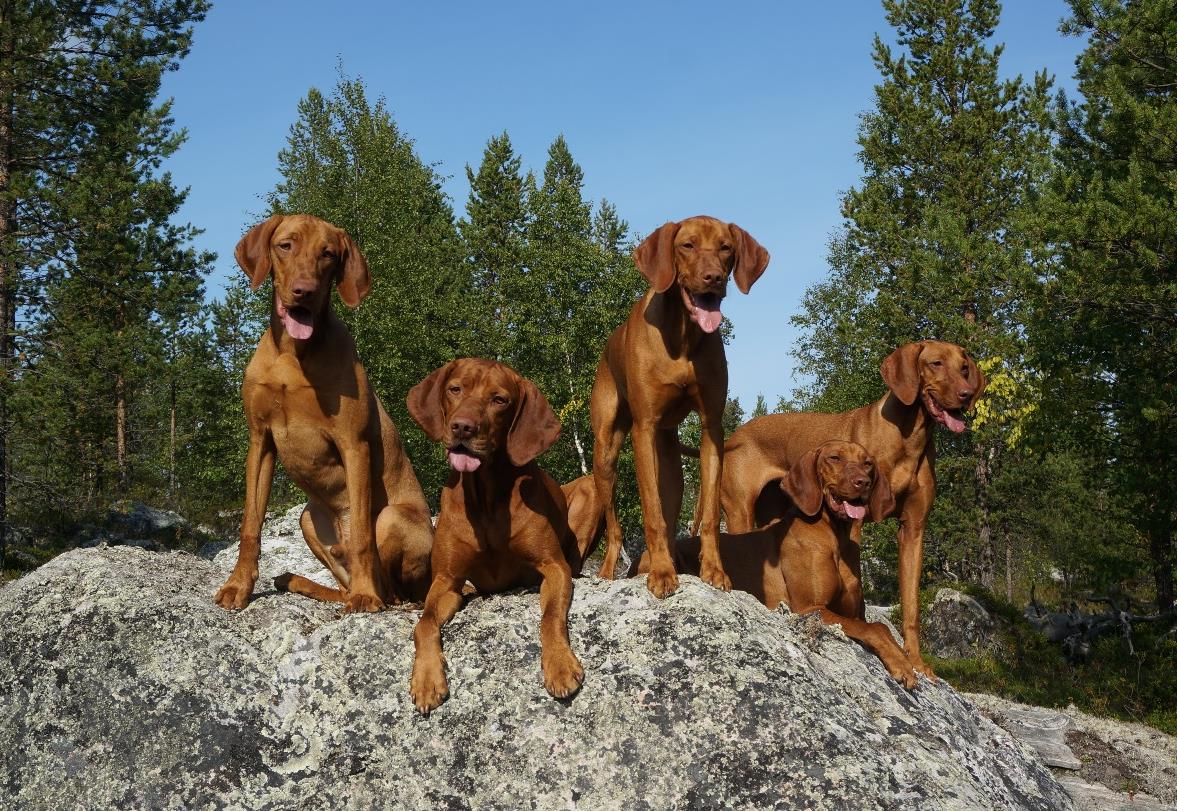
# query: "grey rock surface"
283, 550
122, 685
956, 626
1119, 764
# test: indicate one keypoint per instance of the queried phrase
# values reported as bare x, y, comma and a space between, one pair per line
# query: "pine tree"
1107, 321
935, 238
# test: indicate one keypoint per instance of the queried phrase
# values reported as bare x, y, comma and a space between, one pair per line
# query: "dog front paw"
428, 686
920, 666
234, 595
563, 674
715, 576
662, 582
361, 603
903, 673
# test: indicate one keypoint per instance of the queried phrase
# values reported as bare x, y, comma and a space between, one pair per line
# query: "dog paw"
920, 666
282, 581
662, 583
428, 686
563, 674
903, 673
361, 603
715, 576
233, 595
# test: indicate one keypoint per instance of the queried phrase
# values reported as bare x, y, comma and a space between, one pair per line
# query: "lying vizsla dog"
930, 382
809, 559
503, 520
663, 362
307, 400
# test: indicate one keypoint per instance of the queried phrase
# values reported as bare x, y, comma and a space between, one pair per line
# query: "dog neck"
913, 422
490, 484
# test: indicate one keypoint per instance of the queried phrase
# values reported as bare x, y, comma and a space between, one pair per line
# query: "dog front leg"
428, 685
563, 673
710, 466
362, 558
259, 475
662, 580
876, 638
912, 520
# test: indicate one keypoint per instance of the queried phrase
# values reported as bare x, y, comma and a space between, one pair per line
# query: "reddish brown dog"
930, 382
810, 558
665, 361
307, 400
503, 520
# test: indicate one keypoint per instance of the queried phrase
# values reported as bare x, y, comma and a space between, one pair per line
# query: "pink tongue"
854, 511
464, 462
708, 320
953, 424
298, 327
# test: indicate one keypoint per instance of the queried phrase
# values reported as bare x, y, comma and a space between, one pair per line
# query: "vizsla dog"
307, 400
930, 382
663, 362
503, 520
810, 558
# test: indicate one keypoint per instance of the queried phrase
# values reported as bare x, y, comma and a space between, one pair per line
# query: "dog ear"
427, 406
535, 427
354, 279
882, 500
751, 258
802, 484
655, 257
976, 374
901, 372
253, 251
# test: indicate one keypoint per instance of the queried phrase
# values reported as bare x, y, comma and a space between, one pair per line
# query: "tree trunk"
988, 552
8, 268
172, 448
120, 430
1009, 567
1160, 549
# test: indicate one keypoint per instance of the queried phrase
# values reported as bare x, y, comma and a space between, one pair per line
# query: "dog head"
940, 374
843, 477
480, 409
701, 253
305, 255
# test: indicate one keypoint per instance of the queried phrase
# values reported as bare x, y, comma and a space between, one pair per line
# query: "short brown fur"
503, 524
658, 366
897, 430
308, 402
810, 558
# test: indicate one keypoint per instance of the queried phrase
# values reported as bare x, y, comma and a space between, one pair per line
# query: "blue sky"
747, 112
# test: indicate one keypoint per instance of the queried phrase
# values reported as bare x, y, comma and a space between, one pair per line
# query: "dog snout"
463, 428
965, 394
304, 288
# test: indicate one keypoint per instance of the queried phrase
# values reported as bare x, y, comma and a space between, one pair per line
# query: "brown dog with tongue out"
308, 402
663, 362
930, 382
810, 558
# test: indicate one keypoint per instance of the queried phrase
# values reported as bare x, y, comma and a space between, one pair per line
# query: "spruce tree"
1107, 318
934, 241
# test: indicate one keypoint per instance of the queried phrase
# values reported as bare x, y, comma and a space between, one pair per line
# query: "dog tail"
297, 584
687, 450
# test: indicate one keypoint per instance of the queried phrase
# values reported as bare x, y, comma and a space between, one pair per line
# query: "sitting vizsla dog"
810, 558
663, 362
503, 521
307, 400
930, 382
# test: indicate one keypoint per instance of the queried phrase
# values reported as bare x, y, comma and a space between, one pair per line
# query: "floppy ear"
802, 485
975, 373
882, 500
655, 257
901, 372
751, 258
354, 280
535, 427
253, 251
426, 405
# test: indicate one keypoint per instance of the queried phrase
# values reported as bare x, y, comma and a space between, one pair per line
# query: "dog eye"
688, 245
328, 254
284, 246
499, 399
834, 458
455, 389
936, 364
868, 465
725, 247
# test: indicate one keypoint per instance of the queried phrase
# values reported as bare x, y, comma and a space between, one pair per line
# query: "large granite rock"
122, 685
956, 626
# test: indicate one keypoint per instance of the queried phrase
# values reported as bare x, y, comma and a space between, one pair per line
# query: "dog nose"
462, 428
965, 394
861, 482
303, 288
712, 277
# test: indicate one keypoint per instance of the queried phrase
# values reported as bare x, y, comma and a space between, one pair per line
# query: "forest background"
1033, 225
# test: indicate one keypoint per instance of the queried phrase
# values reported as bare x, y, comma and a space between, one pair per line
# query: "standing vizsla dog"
663, 362
930, 382
503, 520
307, 401
810, 559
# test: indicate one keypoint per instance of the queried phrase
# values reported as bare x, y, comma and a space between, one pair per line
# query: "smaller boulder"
956, 626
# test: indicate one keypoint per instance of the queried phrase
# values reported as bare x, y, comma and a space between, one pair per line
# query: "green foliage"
1105, 329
